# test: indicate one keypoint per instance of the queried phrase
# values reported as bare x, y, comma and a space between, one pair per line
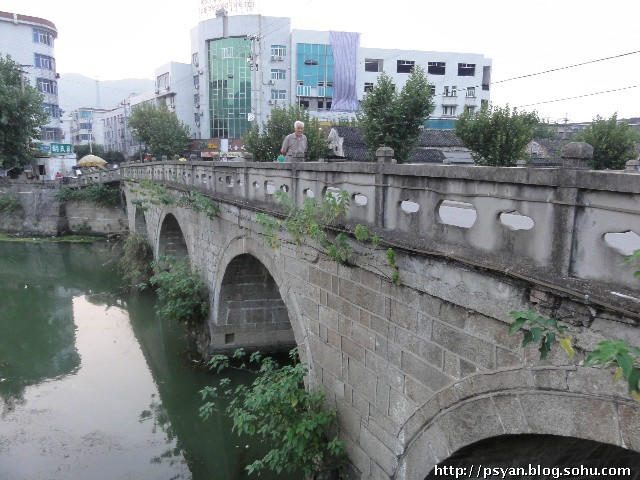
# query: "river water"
93, 384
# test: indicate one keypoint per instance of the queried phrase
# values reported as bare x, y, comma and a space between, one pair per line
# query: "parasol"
91, 161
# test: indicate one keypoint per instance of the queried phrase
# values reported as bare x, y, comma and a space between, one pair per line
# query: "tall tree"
160, 130
266, 146
396, 119
613, 143
496, 136
84, 150
21, 115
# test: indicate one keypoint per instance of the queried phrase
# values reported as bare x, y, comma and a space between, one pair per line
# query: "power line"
566, 67
579, 96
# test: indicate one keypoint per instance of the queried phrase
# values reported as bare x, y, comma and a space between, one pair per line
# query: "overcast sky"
116, 39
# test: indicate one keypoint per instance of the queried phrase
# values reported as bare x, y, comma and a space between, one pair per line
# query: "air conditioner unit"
157, 91
274, 57
197, 124
272, 82
272, 102
201, 112
197, 87
172, 107
280, 58
197, 105
201, 71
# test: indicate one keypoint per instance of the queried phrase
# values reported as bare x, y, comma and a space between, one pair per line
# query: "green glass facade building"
229, 86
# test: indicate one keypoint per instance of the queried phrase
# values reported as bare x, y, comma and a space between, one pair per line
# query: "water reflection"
94, 384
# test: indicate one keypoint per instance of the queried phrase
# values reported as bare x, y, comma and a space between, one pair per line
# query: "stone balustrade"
554, 225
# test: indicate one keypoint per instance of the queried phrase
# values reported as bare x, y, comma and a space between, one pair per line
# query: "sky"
118, 39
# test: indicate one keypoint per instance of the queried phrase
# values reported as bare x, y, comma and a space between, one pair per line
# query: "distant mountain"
75, 91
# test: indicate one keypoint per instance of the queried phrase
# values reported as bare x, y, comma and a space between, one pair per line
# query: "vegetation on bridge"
618, 354
613, 143
152, 193
315, 220
135, 264
277, 408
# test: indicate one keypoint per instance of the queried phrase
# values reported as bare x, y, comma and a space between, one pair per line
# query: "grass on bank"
63, 239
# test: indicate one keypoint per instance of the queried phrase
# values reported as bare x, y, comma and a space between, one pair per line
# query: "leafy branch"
546, 331
155, 194
277, 408
313, 220
634, 261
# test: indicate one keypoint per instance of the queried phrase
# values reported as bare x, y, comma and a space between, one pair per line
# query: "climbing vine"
106, 195
9, 204
278, 409
152, 193
313, 220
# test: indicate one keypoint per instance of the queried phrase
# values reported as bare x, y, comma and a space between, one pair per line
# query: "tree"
84, 150
496, 136
21, 115
266, 146
613, 143
395, 119
160, 130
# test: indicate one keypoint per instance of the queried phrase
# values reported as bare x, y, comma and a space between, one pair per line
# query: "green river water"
93, 384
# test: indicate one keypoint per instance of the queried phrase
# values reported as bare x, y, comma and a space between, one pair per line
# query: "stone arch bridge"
423, 370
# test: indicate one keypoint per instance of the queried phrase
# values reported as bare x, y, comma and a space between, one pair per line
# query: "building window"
471, 92
405, 66
314, 70
373, 64
196, 81
42, 36
433, 89
226, 52
47, 86
44, 61
278, 74
320, 104
278, 94
163, 81
368, 87
52, 109
278, 50
450, 91
194, 59
196, 117
484, 103
466, 69
470, 109
448, 110
196, 99
436, 68
85, 126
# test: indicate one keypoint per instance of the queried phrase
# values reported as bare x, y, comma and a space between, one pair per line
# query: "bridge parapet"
556, 225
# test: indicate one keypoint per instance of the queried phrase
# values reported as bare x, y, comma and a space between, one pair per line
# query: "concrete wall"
43, 214
420, 370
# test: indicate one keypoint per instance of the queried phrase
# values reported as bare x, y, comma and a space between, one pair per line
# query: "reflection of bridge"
421, 370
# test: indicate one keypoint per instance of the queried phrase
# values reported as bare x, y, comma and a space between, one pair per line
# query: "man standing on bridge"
295, 142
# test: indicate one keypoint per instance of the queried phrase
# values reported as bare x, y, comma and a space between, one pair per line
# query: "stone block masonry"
416, 371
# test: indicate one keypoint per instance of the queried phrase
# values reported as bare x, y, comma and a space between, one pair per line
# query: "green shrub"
9, 205
183, 295
277, 408
101, 194
135, 265
82, 227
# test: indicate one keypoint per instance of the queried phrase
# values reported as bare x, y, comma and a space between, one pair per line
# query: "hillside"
75, 91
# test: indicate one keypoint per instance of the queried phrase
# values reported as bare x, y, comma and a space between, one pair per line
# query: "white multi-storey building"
244, 65
83, 127
30, 42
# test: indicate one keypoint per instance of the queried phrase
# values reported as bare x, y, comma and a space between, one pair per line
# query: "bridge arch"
172, 240
246, 260
571, 402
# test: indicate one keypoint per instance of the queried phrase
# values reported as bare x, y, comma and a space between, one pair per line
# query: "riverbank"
61, 239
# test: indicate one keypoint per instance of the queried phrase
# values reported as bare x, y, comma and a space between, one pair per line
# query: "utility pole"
97, 93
